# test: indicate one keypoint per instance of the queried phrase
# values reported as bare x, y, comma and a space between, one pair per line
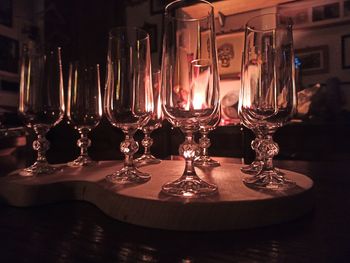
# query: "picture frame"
229, 50
151, 29
346, 8
9, 56
345, 50
325, 12
6, 13
314, 60
9, 73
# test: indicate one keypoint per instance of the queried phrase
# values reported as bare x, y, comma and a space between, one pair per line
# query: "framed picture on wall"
9, 57
229, 49
345, 50
314, 60
346, 8
324, 12
6, 10
9, 77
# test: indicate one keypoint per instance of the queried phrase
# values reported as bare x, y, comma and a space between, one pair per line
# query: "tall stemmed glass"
84, 106
190, 84
128, 101
268, 95
41, 101
154, 123
204, 159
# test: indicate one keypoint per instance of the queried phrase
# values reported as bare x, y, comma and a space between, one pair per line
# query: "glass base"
253, 168
189, 188
271, 179
146, 159
38, 168
206, 161
128, 175
82, 161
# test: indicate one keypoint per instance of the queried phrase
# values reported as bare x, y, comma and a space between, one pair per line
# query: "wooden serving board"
236, 206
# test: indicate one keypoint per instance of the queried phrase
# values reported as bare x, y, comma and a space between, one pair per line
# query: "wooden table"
79, 232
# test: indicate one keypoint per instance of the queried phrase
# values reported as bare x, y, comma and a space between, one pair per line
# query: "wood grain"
236, 206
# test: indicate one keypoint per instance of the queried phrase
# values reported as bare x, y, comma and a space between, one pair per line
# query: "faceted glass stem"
129, 173
147, 142
83, 143
256, 166
204, 159
268, 177
41, 145
189, 150
189, 185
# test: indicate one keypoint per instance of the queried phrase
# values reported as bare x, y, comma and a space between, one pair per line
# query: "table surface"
80, 232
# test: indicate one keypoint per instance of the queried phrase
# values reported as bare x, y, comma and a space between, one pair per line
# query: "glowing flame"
201, 83
159, 108
199, 99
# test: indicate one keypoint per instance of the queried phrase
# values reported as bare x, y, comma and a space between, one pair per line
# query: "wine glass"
154, 123
128, 101
204, 159
190, 84
268, 95
84, 106
41, 100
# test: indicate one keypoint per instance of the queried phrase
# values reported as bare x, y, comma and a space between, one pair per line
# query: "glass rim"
208, 62
167, 15
289, 23
112, 31
84, 65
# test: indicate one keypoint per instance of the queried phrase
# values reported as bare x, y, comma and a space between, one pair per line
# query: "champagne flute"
154, 123
190, 85
268, 95
41, 101
128, 101
256, 166
204, 159
84, 106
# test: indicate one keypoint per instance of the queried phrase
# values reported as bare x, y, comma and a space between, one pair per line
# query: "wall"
138, 15
23, 19
310, 35
330, 36
307, 36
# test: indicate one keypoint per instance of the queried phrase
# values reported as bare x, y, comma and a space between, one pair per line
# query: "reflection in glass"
190, 85
84, 107
41, 101
268, 95
128, 102
154, 123
204, 159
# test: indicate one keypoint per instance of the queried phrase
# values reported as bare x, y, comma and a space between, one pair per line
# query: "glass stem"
189, 150
255, 146
129, 147
205, 143
269, 149
41, 145
147, 142
84, 142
